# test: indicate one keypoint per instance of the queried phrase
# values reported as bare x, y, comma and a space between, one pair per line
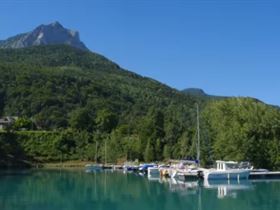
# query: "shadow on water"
62, 189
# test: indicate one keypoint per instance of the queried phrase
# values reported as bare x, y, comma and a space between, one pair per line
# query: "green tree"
105, 120
167, 152
23, 123
65, 144
81, 119
149, 152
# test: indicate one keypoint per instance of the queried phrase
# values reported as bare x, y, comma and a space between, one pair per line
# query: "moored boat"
143, 168
153, 171
130, 168
226, 170
186, 169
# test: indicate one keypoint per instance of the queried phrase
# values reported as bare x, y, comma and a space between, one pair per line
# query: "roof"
7, 120
227, 162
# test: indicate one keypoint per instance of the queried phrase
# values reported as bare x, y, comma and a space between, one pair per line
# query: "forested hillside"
76, 101
60, 87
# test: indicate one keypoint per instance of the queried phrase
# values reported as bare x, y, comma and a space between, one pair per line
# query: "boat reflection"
227, 188
182, 187
154, 179
224, 188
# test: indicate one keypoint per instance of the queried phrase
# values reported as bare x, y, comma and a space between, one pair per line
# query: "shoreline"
64, 165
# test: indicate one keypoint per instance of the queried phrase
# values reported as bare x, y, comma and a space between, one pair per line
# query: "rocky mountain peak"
53, 33
56, 24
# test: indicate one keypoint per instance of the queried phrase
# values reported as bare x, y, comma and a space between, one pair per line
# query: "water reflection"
183, 187
224, 188
227, 188
154, 179
72, 190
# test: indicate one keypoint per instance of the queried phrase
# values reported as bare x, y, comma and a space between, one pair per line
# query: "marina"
177, 173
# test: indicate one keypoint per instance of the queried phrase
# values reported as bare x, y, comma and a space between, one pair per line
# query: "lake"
77, 190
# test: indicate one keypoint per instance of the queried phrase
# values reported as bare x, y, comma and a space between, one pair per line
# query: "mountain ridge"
200, 93
50, 34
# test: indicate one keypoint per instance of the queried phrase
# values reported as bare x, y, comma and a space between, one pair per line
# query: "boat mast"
96, 152
105, 159
198, 136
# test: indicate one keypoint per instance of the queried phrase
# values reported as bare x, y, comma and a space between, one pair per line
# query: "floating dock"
253, 175
265, 175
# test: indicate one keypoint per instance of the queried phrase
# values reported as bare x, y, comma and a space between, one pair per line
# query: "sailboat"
189, 169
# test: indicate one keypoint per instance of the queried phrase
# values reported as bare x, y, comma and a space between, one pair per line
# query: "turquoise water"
76, 190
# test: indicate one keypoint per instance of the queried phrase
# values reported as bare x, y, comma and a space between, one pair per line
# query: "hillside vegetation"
79, 101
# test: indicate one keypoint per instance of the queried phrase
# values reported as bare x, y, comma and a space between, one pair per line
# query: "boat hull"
227, 175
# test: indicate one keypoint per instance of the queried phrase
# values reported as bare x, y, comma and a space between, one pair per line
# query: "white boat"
186, 168
153, 171
226, 170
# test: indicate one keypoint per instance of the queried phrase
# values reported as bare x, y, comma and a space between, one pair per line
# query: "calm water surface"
76, 190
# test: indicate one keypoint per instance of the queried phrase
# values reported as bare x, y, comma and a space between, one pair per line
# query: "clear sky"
226, 47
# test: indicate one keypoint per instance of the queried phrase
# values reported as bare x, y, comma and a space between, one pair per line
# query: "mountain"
51, 34
194, 91
200, 94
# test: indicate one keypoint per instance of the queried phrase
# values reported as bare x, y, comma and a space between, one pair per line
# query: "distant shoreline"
48, 165
66, 164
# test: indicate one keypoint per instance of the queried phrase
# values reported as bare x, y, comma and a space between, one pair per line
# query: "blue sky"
226, 47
